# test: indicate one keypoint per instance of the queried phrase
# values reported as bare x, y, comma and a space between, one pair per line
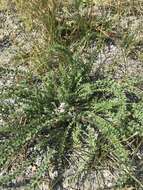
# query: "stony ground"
14, 39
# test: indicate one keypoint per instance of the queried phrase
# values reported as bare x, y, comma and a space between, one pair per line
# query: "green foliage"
65, 115
66, 111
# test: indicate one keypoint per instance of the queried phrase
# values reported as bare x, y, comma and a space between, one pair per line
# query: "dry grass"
74, 33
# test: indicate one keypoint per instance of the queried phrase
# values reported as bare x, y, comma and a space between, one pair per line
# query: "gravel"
14, 39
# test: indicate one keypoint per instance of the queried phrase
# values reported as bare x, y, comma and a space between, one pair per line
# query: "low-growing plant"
66, 113
63, 114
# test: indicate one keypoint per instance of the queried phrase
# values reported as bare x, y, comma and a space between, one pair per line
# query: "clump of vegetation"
62, 111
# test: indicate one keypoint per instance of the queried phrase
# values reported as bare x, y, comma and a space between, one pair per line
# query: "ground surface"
14, 39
